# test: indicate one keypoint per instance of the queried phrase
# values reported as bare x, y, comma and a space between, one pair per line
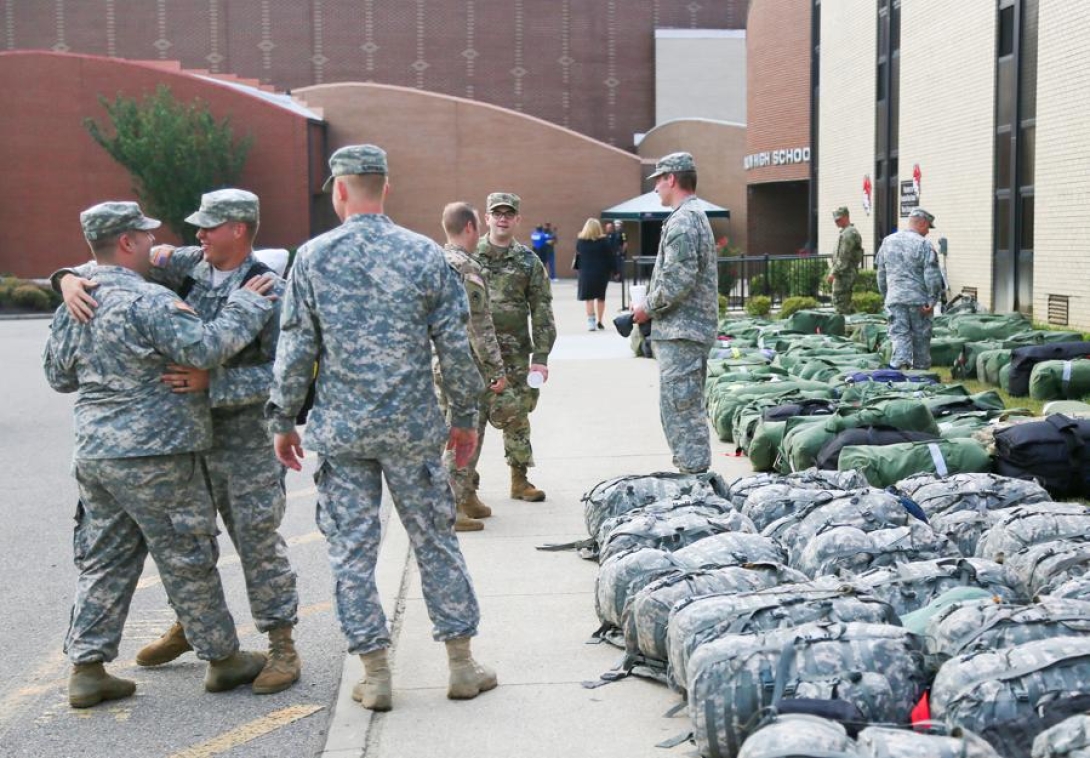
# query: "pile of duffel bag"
812, 614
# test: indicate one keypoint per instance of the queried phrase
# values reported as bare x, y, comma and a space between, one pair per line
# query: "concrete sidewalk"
598, 418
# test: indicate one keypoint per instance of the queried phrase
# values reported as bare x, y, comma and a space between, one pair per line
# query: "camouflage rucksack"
623, 493
1068, 739
843, 481
886, 742
768, 504
867, 510
1010, 696
977, 626
852, 550
1040, 568
791, 735
970, 492
695, 621
1027, 525
862, 672
910, 586
670, 525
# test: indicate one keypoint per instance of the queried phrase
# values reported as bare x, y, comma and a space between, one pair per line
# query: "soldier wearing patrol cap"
846, 260
683, 307
246, 479
910, 281
375, 299
522, 312
137, 454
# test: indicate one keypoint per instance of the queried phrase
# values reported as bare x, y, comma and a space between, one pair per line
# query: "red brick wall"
52, 169
585, 65
778, 84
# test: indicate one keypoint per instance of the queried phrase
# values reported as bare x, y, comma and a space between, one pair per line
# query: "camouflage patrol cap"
500, 199
107, 219
673, 163
503, 408
841, 212
921, 213
352, 160
225, 205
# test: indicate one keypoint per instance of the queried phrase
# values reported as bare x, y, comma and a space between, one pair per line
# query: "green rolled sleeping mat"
1060, 380
887, 464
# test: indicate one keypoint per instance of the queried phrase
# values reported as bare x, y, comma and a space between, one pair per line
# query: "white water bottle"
535, 379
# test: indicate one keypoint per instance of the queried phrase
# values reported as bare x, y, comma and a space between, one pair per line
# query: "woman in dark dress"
595, 260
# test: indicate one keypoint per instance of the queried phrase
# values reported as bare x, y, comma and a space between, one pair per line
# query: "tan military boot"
165, 649
463, 523
89, 684
467, 677
474, 508
522, 489
283, 667
234, 670
375, 691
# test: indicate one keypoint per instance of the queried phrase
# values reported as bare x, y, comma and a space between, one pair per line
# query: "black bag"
1023, 359
1055, 452
829, 455
806, 407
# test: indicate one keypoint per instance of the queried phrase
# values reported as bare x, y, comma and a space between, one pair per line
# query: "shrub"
727, 271
866, 280
866, 302
722, 304
758, 305
7, 286
759, 285
793, 304
30, 296
797, 278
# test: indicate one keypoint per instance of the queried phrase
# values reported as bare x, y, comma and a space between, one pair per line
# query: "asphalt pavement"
597, 418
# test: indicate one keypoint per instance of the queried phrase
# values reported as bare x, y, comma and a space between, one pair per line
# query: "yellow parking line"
248, 731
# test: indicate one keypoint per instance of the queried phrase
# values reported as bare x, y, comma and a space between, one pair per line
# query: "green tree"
174, 151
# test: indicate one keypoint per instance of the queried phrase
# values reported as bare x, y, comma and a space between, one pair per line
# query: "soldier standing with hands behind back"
846, 261
910, 280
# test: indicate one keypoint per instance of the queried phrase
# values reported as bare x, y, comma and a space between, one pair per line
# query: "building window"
1015, 155
887, 93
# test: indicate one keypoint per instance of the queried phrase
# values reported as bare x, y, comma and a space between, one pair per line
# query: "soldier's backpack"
645, 617
1009, 696
1054, 452
852, 550
862, 672
867, 510
1068, 739
621, 494
768, 504
887, 742
969, 492
908, 587
1038, 569
1026, 525
670, 525
965, 528
828, 457
843, 481
978, 626
791, 735
625, 574
1023, 359
697, 620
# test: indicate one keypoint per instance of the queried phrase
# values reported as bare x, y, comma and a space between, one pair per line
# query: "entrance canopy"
647, 207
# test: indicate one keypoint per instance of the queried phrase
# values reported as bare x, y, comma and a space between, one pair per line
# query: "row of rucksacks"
814, 593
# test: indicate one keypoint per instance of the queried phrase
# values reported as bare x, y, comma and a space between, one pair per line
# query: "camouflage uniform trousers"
130, 507
909, 336
461, 479
516, 434
248, 490
349, 499
683, 368
842, 293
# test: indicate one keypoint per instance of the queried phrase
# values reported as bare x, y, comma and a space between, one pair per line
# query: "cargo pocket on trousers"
323, 518
193, 550
443, 508
80, 538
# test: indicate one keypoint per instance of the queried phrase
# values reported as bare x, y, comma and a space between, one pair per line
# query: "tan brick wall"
845, 116
947, 127
1063, 161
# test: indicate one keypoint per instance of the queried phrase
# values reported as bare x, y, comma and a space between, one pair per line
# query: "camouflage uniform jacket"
370, 299
849, 252
123, 410
239, 388
521, 295
683, 297
908, 270
482, 334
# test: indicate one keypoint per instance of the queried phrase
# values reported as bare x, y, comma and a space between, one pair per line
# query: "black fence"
741, 277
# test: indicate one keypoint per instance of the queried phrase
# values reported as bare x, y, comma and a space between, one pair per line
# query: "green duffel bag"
734, 349
942, 406
830, 369
724, 365
776, 336
1060, 380
1005, 377
821, 342
816, 322
870, 335
764, 447
978, 327
887, 464
945, 351
862, 392
726, 399
966, 365
989, 362
742, 328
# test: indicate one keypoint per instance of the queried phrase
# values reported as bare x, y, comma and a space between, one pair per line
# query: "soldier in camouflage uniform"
846, 261
140, 479
522, 312
910, 280
374, 300
246, 479
461, 224
683, 306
